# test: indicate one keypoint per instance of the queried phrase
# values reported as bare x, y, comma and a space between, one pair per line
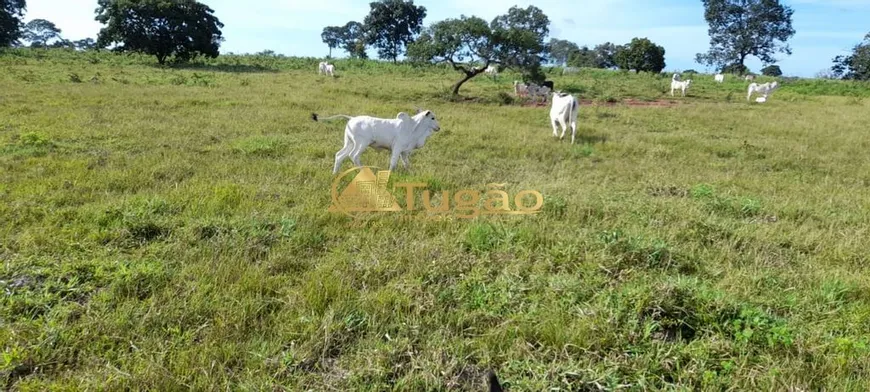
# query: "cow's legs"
555, 129
357, 152
342, 154
564, 127
394, 159
405, 162
573, 131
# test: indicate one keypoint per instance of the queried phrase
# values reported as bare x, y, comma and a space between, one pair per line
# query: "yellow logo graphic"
365, 193
368, 192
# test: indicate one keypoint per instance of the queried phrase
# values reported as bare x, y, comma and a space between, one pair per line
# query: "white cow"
330, 70
749, 78
401, 136
520, 89
536, 92
492, 71
564, 112
321, 68
680, 85
719, 78
764, 89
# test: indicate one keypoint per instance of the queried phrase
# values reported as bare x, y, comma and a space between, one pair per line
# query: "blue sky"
825, 28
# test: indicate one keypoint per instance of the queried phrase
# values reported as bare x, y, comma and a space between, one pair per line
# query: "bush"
771, 70
641, 54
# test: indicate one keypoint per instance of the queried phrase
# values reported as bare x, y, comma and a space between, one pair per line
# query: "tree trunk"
330, 52
468, 76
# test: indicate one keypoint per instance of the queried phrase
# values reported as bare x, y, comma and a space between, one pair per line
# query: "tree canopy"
39, 32
771, 70
331, 36
641, 54
559, 51
855, 66
392, 24
11, 12
470, 45
742, 28
183, 29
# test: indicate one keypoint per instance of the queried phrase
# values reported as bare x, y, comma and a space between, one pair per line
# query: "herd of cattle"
405, 133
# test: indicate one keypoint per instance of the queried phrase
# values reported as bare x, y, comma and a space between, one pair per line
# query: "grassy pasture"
167, 229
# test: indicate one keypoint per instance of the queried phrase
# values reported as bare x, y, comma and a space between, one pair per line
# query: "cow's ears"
418, 110
403, 116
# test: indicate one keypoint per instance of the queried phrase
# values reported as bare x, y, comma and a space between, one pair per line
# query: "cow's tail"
316, 118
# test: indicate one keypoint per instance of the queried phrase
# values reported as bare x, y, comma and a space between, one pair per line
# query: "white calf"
520, 89
764, 89
492, 71
330, 70
564, 112
401, 136
321, 68
749, 78
719, 78
680, 85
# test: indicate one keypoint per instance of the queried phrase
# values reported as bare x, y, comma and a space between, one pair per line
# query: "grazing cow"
401, 136
330, 70
521, 89
321, 68
564, 112
536, 92
764, 89
492, 71
749, 78
719, 78
680, 85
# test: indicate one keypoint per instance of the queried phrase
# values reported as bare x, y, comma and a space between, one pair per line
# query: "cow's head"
426, 119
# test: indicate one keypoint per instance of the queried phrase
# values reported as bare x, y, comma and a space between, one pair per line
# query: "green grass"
167, 228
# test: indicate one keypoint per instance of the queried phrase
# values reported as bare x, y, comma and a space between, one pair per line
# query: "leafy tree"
39, 31
742, 28
352, 39
392, 24
331, 36
855, 66
470, 45
183, 29
11, 12
605, 55
641, 54
518, 40
771, 70
583, 58
85, 44
559, 51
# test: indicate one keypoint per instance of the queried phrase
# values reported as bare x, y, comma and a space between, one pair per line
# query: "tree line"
181, 30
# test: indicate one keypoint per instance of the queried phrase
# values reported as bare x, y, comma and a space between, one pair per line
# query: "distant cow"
680, 85
492, 71
520, 89
719, 78
763, 89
